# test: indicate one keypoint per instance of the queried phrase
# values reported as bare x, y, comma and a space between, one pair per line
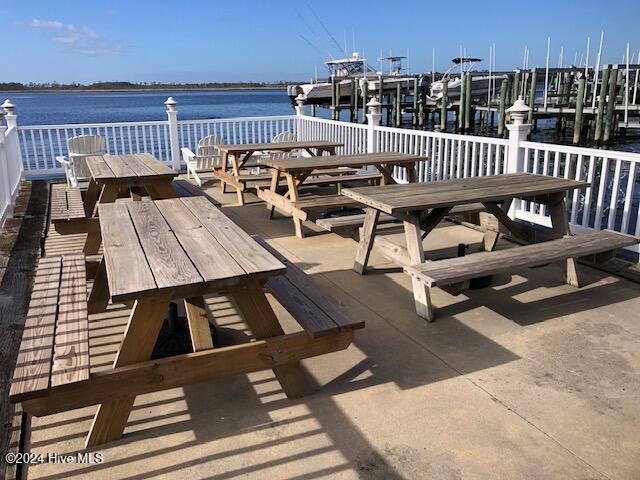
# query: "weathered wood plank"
169, 263
187, 369
333, 161
33, 365
247, 253
278, 146
396, 199
209, 257
127, 269
444, 272
159, 168
315, 310
119, 167
71, 348
99, 168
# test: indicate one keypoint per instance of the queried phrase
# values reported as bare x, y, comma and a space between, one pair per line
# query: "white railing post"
518, 132
373, 120
12, 122
172, 116
5, 188
299, 114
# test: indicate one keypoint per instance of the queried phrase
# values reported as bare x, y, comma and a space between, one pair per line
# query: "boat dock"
587, 105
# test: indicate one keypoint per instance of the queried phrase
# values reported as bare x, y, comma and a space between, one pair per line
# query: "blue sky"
193, 41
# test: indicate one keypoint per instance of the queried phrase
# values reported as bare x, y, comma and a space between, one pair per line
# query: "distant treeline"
136, 86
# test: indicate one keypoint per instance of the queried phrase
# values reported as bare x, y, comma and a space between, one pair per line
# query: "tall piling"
532, 94
398, 106
611, 105
365, 100
577, 123
467, 104
444, 105
502, 107
602, 100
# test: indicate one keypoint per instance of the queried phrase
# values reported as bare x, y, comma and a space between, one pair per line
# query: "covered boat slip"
530, 377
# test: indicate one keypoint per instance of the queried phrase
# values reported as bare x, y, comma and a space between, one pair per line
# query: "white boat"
480, 81
345, 71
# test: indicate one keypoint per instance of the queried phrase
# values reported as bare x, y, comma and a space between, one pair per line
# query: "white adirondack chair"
283, 137
79, 148
206, 158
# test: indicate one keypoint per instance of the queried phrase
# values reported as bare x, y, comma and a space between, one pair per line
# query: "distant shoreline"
146, 89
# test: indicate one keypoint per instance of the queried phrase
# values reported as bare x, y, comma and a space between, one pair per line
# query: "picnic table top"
280, 146
139, 166
180, 247
333, 161
395, 199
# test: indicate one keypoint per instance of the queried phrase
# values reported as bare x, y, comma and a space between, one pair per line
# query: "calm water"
98, 107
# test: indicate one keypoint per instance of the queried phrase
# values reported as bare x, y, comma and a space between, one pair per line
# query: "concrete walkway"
529, 379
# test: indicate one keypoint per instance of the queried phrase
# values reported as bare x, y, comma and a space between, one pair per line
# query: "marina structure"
587, 105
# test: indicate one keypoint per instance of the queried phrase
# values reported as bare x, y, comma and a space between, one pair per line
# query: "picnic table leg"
161, 189
94, 239
293, 195
412, 175
91, 198
236, 173
261, 319
225, 160
275, 180
99, 296
415, 250
137, 345
198, 321
366, 241
559, 224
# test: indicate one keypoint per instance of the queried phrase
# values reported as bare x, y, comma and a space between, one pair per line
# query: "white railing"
612, 199
41, 144
10, 170
449, 155
235, 130
352, 135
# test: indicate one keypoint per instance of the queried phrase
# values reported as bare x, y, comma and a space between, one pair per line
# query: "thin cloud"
77, 39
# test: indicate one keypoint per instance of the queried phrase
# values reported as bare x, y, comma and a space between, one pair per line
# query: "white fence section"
611, 201
41, 144
10, 167
352, 135
450, 156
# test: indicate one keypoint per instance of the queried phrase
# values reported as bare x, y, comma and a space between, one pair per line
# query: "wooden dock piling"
611, 104
444, 106
601, 102
502, 107
577, 123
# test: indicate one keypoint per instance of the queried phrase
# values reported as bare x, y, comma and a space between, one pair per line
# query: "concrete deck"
527, 379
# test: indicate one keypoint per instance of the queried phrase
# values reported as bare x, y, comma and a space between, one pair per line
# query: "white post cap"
518, 111
374, 106
171, 104
9, 107
300, 100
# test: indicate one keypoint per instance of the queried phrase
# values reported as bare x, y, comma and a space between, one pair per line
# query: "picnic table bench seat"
317, 312
55, 342
352, 222
456, 270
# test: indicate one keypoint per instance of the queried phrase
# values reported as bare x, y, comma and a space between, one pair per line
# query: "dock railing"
611, 201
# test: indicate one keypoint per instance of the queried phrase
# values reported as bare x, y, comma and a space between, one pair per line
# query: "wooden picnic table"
297, 170
421, 206
241, 153
155, 252
110, 174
